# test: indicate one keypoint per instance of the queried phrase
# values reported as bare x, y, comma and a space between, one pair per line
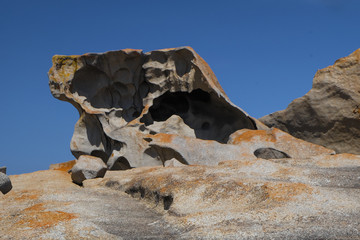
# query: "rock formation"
87, 167
329, 114
5, 183
126, 97
220, 174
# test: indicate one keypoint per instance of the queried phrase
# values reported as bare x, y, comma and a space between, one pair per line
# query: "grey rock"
5, 183
270, 153
329, 114
173, 125
87, 167
3, 170
173, 163
288, 198
125, 96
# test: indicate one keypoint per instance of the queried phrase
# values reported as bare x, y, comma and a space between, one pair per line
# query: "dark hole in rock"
168, 200
136, 192
121, 164
168, 105
164, 153
211, 117
100, 154
136, 114
270, 153
205, 126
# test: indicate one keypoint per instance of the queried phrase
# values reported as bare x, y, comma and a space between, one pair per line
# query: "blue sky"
264, 53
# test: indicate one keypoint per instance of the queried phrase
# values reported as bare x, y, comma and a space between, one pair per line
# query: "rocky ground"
315, 198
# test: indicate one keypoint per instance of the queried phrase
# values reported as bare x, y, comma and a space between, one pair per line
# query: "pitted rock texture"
123, 96
329, 114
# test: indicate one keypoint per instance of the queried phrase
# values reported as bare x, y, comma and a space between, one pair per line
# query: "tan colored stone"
329, 114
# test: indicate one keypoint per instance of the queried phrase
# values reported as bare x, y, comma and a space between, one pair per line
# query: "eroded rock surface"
48, 205
314, 198
329, 114
124, 96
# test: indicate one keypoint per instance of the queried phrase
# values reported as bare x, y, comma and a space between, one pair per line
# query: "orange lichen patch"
163, 137
236, 163
65, 166
250, 135
280, 192
36, 217
26, 195
284, 173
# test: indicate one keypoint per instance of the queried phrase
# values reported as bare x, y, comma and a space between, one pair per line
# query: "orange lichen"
26, 195
237, 163
36, 217
249, 136
65, 166
163, 137
280, 192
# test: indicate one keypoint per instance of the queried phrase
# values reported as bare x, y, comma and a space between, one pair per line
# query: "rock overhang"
121, 96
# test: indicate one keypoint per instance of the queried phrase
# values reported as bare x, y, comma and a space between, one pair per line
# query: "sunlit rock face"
127, 97
329, 114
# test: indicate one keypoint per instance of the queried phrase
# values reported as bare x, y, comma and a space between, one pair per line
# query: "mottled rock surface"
123, 96
313, 198
47, 205
329, 114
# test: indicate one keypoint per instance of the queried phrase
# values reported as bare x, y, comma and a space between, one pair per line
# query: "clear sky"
264, 54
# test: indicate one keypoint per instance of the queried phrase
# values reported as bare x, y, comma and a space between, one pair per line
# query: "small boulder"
173, 163
87, 167
5, 183
3, 170
270, 153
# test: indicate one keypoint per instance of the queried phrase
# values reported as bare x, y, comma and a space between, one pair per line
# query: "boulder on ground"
5, 183
3, 170
87, 167
173, 163
329, 114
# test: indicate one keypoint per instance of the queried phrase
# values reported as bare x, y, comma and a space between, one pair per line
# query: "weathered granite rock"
123, 96
329, 114
313, 198
242, 145
5, 183
48, 205
87, 167
3, 170
274, 142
